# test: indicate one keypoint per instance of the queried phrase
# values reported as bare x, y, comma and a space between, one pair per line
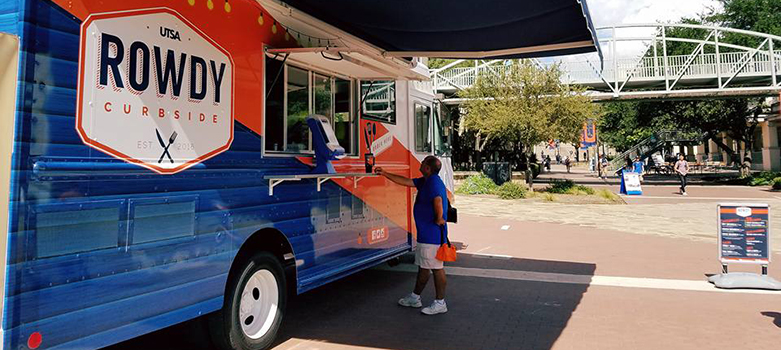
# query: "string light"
260, 19
274, 28
210, 4
191, 2
309, 39
227, 6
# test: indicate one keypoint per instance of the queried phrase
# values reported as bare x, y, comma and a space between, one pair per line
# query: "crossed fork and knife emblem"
165, 146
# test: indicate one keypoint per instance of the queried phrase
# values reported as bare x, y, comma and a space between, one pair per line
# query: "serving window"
293, 93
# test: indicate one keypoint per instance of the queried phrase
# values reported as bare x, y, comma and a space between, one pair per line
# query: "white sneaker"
435, 308
685, 194
410, 301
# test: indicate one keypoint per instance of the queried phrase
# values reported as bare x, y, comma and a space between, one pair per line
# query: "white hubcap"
259, 303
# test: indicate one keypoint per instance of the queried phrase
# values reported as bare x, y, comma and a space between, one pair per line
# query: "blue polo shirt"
638, 166
423, 211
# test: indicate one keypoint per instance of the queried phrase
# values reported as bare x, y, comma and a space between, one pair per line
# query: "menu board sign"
744, 233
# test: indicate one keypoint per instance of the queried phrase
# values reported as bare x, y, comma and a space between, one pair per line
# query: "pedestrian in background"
639, 167
682, 169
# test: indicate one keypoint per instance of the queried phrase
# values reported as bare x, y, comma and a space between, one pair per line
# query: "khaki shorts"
426, 257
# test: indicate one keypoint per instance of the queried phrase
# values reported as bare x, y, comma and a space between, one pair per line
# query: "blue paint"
95, 238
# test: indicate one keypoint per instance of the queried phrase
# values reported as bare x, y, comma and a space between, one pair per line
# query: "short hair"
433, 163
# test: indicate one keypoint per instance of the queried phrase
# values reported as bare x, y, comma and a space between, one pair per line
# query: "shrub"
777, 183
511, 190
477, 184
549, 197
560, 186
759, 181
606, 194
763, 178
580, 190
535, 170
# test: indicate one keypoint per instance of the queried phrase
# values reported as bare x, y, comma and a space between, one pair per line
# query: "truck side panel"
101, 250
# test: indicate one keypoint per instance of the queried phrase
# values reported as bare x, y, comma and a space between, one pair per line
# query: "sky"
611, 12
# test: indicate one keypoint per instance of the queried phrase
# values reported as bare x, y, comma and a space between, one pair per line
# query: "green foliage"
626, 123
777, 183
569, 187
434, 63
764, 178
581, 190
758, 181
523, 105
762, 16
511, 190
536, 168
477, 184
560, 186
606, 194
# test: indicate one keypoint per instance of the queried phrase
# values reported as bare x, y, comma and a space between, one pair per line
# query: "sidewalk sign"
630, 183
744, 238
744, 233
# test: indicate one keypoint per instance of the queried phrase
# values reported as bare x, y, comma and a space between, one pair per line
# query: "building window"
293, 94
422, 128
379, 101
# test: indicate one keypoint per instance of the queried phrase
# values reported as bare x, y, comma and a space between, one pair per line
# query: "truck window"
343, 123
422, 128
379, 100
297, 109
442, 130
275, 109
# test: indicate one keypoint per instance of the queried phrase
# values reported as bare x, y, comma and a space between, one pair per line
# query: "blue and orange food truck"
157, 163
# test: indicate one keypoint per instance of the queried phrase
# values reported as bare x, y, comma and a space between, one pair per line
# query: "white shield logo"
153, 90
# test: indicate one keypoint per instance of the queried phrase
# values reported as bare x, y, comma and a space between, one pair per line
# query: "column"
699, 153
714, 151
771, 154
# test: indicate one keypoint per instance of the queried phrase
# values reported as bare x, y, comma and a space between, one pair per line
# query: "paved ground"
548, 276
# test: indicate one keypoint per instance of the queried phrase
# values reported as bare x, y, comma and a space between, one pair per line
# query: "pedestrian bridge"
637, 65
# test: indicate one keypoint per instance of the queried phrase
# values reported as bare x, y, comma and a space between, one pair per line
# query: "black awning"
462, 28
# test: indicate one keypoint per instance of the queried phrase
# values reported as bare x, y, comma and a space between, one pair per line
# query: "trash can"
499, 172
489, 170
503, 173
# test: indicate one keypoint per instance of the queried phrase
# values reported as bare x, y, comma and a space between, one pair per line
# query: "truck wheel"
253, 308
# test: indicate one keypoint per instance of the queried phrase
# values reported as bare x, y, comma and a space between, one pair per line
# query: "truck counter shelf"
274, 180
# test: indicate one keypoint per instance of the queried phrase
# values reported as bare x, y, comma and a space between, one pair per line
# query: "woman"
682, 169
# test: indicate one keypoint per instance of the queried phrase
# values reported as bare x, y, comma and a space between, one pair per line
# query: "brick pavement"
359, 312
695, 220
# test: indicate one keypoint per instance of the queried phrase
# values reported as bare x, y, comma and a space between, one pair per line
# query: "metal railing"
653, 143
713, 68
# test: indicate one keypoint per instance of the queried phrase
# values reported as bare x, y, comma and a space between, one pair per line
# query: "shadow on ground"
361, 310
775, 316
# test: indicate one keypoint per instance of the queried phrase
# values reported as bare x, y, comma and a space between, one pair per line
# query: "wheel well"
272, 241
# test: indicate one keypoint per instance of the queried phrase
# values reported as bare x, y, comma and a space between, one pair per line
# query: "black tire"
225, 327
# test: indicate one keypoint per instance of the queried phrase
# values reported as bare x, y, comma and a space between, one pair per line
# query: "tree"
762, 16
523, 105
626, 123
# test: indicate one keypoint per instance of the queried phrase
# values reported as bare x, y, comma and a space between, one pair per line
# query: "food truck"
166, 160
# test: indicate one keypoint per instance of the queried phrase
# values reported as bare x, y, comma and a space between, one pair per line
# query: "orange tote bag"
446, 251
